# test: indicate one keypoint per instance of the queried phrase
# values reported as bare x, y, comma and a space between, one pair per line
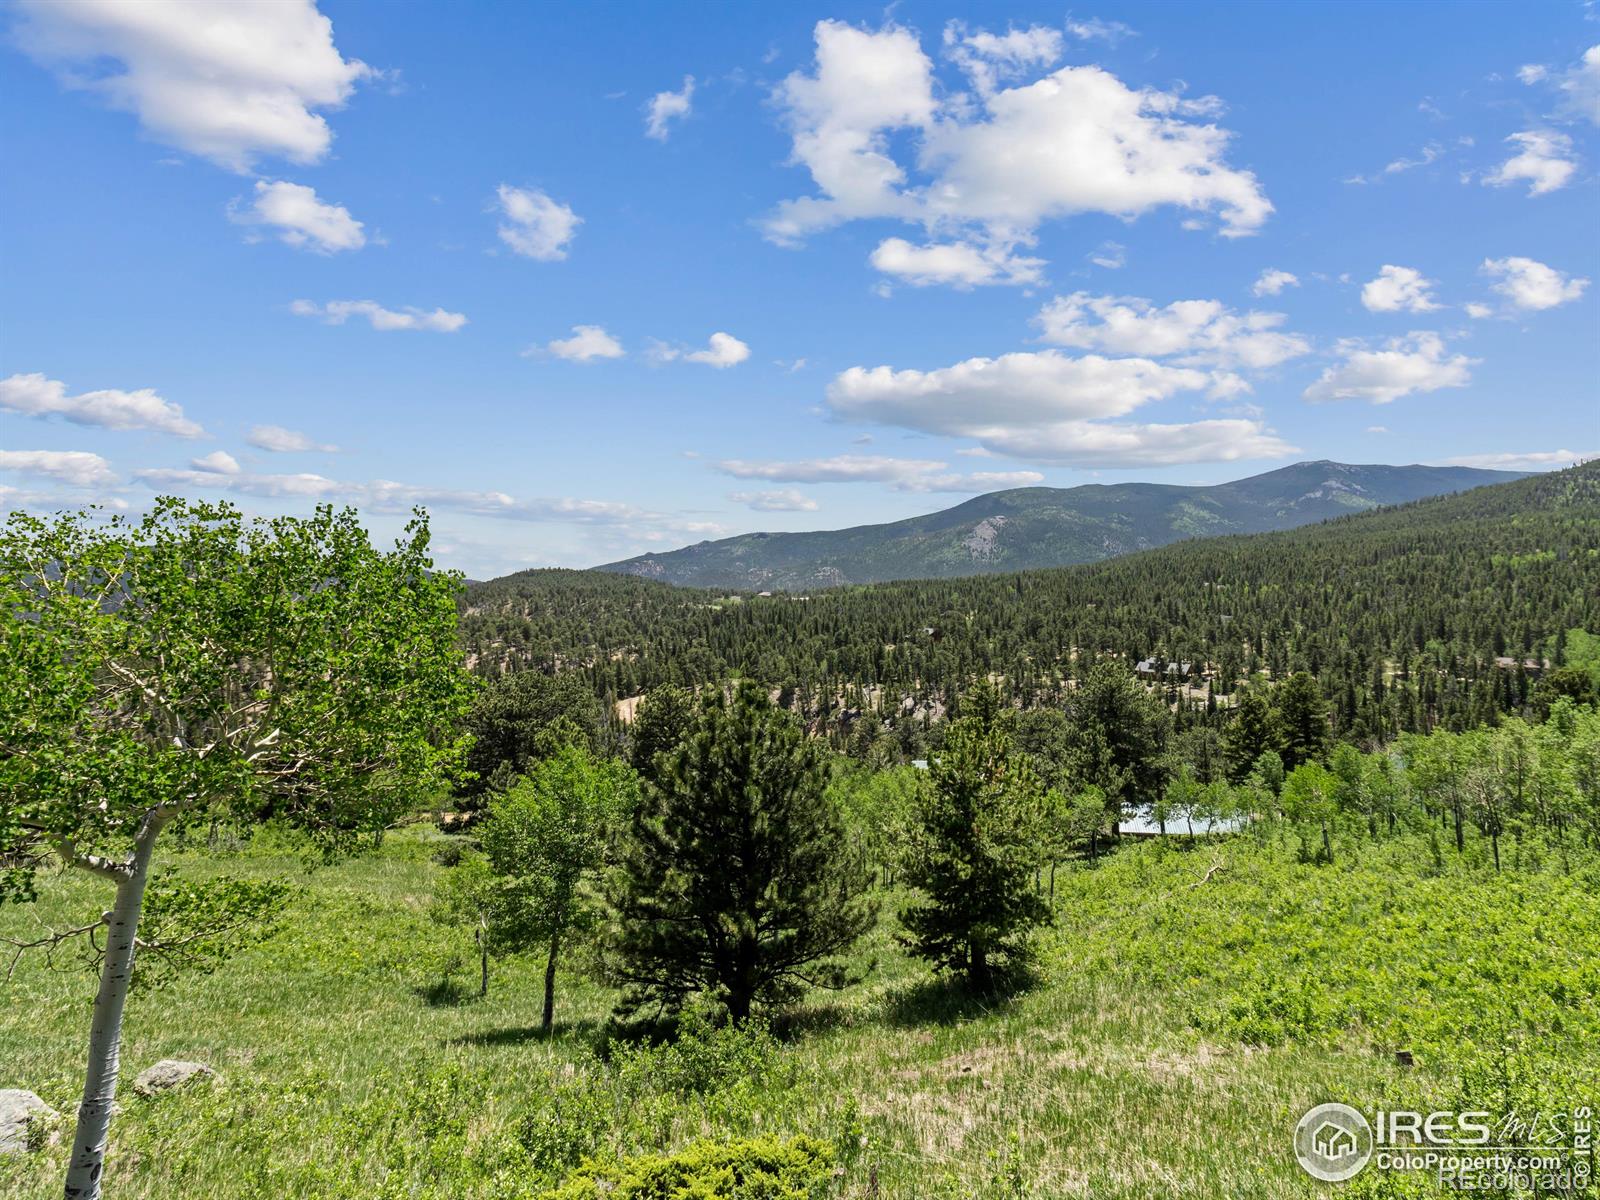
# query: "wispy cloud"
337, 312
277, 440
666, 107
722, 351
903, 474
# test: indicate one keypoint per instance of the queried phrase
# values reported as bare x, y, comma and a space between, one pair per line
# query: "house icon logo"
1333, 1142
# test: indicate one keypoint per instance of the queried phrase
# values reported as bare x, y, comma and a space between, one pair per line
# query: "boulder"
20, 1113
168, 1074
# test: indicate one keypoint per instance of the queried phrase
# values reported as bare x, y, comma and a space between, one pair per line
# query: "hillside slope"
1028, 528
1400, 612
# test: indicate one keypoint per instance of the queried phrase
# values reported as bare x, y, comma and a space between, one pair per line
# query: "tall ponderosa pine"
659, 726
737, 879
1302, 720
192, 667
1253, 731
975, 847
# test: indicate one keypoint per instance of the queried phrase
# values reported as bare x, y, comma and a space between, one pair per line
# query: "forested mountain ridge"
1027, 528
1400, 613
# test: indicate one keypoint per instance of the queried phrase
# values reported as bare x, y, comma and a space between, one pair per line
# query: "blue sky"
507, 261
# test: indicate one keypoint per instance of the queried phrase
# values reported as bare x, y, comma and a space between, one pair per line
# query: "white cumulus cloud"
294, 212
1024, 387
1577, 87
337, 312
1529, 284
1544, 159
78, 468
534, 225
1193, 332
34, 395
1047, 406
666, 107
1580, 87
1272, 281
989, 170
587, 343
1416, 362
229, 82
988, 58
961, 265
218, 462
1398, 289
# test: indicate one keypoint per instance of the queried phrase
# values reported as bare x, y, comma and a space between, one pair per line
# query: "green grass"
1176, 1032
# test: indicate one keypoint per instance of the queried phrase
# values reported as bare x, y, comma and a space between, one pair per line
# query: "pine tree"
1253, 731
1303, 719
524, 718
736, 880
1120, 732
659, 726
974, 852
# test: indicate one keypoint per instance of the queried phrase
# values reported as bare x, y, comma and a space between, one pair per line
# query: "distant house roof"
1142, 824
1151, 666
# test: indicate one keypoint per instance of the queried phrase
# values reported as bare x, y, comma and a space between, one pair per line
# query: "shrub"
569, 1126
703, 1058
755, 1169
450, 852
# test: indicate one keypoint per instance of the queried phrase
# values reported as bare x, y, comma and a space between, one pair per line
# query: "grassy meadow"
1191, 1001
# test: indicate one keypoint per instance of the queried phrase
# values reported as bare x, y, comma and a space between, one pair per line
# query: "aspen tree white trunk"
105, 1033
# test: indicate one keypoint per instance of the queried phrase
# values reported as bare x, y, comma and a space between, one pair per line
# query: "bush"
703, 1058
756, 1169
450, 852
568, 1127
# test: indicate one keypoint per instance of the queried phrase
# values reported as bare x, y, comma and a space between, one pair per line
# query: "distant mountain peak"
1024, 528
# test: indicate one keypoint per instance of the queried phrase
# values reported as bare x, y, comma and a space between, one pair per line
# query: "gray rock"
168, 1074
20, 1113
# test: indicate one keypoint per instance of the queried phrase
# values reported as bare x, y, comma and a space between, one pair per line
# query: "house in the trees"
1533, 666
1155, 668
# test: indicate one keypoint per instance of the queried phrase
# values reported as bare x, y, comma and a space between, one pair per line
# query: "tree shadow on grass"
518, 1035
793, 1024
945, 1000
445, 993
